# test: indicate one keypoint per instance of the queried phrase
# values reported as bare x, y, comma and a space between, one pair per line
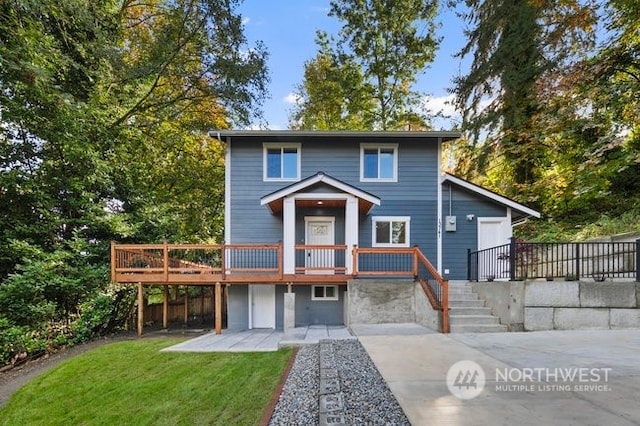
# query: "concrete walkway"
527, 376
548, 377
260, 340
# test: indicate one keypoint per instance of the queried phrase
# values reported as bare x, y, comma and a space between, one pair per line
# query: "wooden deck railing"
321, 259
207, 264
435, 287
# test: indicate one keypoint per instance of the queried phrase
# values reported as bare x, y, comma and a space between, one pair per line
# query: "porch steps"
468, 313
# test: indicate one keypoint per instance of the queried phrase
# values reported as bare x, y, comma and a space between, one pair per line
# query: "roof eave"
527, 211
441, 135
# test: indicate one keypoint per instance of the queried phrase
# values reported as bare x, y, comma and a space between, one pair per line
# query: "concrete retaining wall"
426, 316
378, 302
563, 305
506, 300
389, 301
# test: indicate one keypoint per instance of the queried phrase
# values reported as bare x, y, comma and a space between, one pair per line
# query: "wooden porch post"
165, 306
445, 306
354, 269
186, 304
218, 308
140, 308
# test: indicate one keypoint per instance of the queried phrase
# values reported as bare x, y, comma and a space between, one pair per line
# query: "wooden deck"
243, 264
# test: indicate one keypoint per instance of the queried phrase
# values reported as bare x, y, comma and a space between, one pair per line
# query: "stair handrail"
440, 303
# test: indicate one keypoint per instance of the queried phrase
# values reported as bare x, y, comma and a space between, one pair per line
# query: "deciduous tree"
382, 47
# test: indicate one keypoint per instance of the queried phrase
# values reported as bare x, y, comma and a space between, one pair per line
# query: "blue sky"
288, 29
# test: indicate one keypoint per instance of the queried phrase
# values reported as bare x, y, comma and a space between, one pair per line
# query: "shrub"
18, 342
106, 313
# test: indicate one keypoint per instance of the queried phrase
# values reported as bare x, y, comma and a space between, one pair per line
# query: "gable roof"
274, 200
521, 210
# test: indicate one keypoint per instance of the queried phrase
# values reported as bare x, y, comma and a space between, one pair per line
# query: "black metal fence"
569, 261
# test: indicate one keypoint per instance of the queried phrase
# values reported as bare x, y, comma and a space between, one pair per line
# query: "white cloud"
440, 105
292, 98
245, 20
443, 111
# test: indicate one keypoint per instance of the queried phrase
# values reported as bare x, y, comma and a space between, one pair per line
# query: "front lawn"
133, 382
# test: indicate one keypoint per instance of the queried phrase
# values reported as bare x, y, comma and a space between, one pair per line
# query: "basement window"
324, 292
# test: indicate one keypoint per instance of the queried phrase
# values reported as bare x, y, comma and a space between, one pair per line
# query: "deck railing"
435, 287
321, 259
378, 262
247, 263
570, 261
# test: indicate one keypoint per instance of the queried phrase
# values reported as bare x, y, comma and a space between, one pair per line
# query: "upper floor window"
281, 162
379, 162
391, 231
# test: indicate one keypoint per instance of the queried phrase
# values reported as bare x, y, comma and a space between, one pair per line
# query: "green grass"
133, 382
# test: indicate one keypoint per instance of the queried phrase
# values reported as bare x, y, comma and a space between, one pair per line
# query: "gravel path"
335, 382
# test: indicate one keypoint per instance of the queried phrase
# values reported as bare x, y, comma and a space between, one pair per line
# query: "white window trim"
393, 146
271, 145
324, 299
405, 219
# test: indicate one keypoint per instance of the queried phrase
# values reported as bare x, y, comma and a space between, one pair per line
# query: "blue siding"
455, 244
309, 312
415, 193
238, 307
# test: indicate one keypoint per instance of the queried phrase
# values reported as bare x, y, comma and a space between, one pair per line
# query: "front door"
493, 232
263, 306
320, 231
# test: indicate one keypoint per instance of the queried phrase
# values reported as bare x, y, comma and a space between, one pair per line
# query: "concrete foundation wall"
563, 305
377, 302
426, 316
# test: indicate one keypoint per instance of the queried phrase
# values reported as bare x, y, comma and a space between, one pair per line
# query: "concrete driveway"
536, 378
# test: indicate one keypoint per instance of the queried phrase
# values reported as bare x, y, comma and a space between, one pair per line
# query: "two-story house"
322, 193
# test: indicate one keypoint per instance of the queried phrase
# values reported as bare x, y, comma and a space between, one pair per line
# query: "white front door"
493, 232
320, 231
263, 306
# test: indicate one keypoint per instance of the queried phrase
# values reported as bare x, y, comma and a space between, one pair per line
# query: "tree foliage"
517, 48
104, 109
553, 116
372, 66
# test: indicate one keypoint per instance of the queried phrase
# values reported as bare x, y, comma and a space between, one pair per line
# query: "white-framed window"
391, 231
281, 162
379, 163
324, 292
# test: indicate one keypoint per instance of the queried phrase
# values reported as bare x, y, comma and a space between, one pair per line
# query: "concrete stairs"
468, 313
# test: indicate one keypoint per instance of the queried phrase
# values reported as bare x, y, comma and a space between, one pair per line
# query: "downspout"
439, 210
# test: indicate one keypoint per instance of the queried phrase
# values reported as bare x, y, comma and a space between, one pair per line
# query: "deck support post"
186, 305
165, 306
140, 308
218, 307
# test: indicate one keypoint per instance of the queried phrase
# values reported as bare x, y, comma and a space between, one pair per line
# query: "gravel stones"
335, 382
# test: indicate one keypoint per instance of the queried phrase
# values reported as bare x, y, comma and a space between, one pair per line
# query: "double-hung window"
379, 162
281, 162
391, 231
